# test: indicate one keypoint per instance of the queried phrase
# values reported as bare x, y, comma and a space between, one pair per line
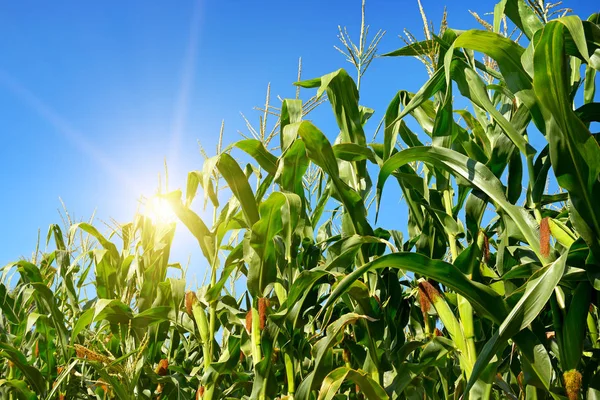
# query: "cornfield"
492, 294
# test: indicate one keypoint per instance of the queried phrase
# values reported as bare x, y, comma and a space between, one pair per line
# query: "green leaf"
151, 316
353, 152
7, 305
115, 383
263, 269
323, 355
520, 14
238, 183
589, 86
574, 153
298, 293
341, 254
515, 177
32, 374
589, 112
108, 245
46, 303
208, 173
413, 49
487, 302
194, 223
29, 272
431, 87
114, 311
232, 261
321, 153
508, 56
195, 178
82, 322
394, 125
477, 93
472, 171
19, 388
257, 150
291, 113
574, 327
292, 166
332, 382
343, 96
537, 292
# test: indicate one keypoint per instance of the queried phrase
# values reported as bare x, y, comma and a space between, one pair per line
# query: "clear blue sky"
95, 95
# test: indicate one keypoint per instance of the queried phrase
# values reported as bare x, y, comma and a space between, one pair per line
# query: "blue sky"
96, 95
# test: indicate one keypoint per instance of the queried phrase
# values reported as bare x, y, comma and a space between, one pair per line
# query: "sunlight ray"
62, 126
187, 81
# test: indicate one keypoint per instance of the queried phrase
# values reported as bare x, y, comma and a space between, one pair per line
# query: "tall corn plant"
492, 294
542, 309
86, 319
502, 281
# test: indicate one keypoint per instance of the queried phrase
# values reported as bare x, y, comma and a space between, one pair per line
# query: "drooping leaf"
537, 292
257, 150
20, 388
263, 269
321, 153
291, 113
487, 302
574, 153
476, 173
32, 374
323, 355
332, 382
238, 183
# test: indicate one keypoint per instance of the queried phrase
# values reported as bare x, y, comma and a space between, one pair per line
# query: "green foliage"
492, 294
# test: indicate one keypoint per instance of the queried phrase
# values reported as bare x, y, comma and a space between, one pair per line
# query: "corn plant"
490, 291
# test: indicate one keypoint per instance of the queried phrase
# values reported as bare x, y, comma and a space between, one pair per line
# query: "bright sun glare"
159, 211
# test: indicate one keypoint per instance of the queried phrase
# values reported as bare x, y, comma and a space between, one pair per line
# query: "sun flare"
159, 211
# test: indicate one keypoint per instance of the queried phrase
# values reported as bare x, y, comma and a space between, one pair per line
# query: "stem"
263, 390
289, 371
169, 354
213, 282
530, 171
207, 346
531, 175
376, 375
207, 356
255, 337
465, 310
426, 325
361, 46
593, 328
209, 392
212, 318
444, 383
11, 375
451, 238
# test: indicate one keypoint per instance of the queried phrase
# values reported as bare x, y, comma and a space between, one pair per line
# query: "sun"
159, 211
